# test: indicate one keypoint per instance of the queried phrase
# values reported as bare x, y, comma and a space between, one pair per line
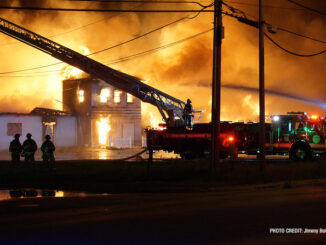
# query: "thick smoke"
184, 70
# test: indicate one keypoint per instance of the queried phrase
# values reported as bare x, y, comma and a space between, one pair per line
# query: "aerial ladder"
170, 108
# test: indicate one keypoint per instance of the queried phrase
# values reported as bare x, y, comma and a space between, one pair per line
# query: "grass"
171, 175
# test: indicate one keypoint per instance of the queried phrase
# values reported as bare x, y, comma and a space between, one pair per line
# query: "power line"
30, 69
140, 1
306, 7
254, 23
300, 35
247, 21
63, 33
147, 52
140, 36
72, 30
108, 10
117, 45
290, 52
266, 6
158, 48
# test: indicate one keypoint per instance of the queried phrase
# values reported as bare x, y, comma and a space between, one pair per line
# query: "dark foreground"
237, 215
163, 176
169, 202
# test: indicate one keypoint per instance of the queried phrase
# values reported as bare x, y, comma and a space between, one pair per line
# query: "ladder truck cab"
296, 134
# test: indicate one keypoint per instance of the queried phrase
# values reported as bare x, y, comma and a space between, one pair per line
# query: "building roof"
40, 111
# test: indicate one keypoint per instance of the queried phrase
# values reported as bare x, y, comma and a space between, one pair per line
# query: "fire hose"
135, 155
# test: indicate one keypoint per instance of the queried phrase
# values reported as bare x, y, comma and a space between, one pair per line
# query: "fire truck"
296, 134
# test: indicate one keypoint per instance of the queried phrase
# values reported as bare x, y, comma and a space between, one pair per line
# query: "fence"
121, 142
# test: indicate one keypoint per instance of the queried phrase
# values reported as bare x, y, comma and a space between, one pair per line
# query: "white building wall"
30, 124
65, 132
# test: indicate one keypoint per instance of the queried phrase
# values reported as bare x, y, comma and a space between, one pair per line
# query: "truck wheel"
300, 153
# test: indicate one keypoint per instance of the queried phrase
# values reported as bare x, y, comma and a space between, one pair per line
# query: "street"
229, 215
94, 153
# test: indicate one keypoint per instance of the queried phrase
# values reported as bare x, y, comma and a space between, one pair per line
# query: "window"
284, 126
14, 128
130, 98
81, 97
104, 95
117, 96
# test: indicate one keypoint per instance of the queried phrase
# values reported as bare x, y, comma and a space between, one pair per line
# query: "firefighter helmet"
17, 136
47, 137
28, 135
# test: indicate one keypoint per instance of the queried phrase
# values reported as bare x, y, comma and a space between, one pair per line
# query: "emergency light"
276, 118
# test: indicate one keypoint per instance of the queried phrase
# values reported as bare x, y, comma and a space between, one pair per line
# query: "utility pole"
216, 86
262, 149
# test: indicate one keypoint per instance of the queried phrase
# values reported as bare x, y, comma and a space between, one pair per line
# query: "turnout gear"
15, 148
188, 113
47, 149
29, 148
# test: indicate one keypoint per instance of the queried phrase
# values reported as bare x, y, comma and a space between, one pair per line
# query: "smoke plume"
183, 70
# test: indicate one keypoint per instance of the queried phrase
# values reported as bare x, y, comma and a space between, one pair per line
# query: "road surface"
237, 215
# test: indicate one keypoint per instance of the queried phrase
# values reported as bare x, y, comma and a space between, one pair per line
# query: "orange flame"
70, 72
104, 127
155, 123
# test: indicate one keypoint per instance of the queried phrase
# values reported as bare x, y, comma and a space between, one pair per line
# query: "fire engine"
296, 134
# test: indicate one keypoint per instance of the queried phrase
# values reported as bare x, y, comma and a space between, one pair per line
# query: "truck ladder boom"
118, 79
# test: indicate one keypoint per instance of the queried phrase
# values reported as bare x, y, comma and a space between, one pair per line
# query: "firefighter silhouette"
187, 113
15, 148
29, 148
47, 149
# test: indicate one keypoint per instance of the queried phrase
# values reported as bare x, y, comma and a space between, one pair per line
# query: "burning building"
95, 114
106, 116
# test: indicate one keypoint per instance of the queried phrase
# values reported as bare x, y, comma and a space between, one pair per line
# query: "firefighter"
29, 149
47, 149
187, 113
15, 148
